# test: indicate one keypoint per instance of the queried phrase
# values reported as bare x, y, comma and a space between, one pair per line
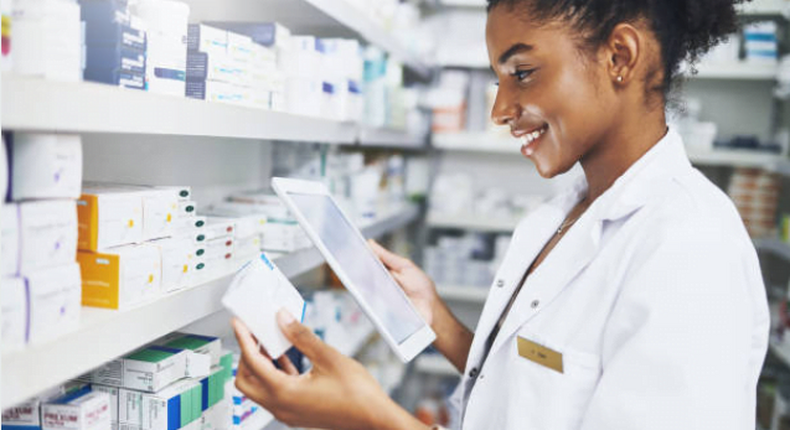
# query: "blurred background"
140, 138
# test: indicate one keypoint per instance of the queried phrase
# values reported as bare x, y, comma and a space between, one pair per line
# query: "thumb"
390, 259
304, 339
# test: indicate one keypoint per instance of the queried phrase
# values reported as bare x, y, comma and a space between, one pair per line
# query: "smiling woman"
595, 319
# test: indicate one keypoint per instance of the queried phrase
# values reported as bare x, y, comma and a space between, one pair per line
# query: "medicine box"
172, 408
121, 277
177, 254
212, 388
245, 225
100, 60
187, 225
221, 248
80, 410
219, 228
25, 416
48, 40
14, 313
47, 234
264, 33
112, 393
113, 34
109, 217
9, 239
206, 345
54, 302
213, 67
117, 77
104, 14
149, 369
207, 39
45, 166
187, 208
256, 294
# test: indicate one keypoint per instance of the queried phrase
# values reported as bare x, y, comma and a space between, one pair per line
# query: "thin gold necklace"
567, 224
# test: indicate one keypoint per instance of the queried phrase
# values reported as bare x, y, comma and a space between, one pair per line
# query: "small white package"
46, 166
82, 410
9, 239
54, 302
14, 313
47, 234
258, 291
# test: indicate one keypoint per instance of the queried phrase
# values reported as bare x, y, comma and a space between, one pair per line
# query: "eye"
522, 74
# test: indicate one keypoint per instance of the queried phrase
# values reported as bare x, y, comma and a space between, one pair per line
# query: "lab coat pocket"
565, 389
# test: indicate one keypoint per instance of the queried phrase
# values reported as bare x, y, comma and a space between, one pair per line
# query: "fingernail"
285, 318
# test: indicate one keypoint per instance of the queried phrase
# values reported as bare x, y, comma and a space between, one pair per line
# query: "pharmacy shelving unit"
104, 335
472, 222
434, 364
459, 293
33, 104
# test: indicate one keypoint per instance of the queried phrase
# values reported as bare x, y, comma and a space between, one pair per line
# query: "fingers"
260, 365
390, 259
304, 339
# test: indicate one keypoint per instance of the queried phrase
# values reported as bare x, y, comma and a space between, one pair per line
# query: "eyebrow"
513, 50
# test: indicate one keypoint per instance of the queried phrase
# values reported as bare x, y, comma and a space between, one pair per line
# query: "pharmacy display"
358, 268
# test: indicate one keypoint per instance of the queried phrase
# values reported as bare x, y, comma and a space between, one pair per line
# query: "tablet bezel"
412, 345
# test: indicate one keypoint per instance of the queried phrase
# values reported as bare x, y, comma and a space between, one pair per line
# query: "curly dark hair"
685, 29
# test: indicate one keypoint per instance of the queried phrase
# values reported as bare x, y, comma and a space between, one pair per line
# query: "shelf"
471, 222
351, 17
106, 334
463, 293
476, 142
435, 364
737, 71
31, 104
775, 246
741, 158
389, 138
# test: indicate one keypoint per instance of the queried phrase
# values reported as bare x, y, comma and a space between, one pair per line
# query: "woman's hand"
336, 393
417, 285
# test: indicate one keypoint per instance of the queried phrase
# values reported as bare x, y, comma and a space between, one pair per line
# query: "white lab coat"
654, 298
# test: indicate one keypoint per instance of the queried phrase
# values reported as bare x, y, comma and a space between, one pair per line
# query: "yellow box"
121, 277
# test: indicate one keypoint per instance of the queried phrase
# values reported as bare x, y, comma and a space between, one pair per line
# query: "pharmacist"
632, 301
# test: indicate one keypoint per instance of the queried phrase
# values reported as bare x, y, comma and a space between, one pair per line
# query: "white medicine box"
45, 166
177, 256
121, 277
109, 217
9, 239
83, 410
48, 234
54, 302
14, 313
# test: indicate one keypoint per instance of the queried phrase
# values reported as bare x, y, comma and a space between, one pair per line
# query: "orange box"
121, 277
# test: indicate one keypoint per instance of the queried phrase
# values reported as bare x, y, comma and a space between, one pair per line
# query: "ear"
624, 53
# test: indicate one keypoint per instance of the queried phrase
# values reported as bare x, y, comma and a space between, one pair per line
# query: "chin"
548, 169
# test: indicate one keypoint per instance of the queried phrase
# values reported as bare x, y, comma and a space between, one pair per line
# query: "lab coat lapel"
571, 255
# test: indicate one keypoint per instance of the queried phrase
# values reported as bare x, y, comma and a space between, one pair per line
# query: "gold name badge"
540, 354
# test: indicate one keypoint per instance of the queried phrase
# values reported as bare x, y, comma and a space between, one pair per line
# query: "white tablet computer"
360, 270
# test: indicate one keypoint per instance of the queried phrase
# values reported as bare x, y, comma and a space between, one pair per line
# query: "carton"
122, 277
54, 302
45, 166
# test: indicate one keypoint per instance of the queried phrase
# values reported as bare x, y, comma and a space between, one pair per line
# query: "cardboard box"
206, 345
9, 240
14, 313
207, 39
54, 302
149, 369
112, 393
219, 228
160, 207
25, 416
174, 407
122, 277
187, 208
177, 255
45, 166
109, 217
47, 234
81, 410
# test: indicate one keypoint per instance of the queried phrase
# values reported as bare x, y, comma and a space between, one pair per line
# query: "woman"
633, 301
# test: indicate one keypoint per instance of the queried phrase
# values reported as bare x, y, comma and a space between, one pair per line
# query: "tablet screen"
371, 280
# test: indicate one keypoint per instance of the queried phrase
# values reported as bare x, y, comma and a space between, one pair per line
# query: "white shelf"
31, 104
389, 138
775, 246
463, 293
472, 222
106, 334
476, 142
349, 16
435, 364
737, 71
741, 158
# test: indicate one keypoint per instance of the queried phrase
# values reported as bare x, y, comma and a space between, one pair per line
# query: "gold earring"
620, 79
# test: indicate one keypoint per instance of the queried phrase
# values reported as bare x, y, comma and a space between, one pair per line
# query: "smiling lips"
527, 140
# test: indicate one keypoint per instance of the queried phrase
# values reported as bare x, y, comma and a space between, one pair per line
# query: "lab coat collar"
574, 252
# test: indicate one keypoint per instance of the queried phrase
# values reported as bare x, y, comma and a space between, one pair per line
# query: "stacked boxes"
115, 44
132, 245
756, 195
227, 67
48, 39
761, 43
281, 233
83, 409
166, 22
41, 281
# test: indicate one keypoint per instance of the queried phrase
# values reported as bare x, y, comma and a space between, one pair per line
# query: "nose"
505, 109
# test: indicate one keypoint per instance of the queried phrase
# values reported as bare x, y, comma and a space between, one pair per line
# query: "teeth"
530, 137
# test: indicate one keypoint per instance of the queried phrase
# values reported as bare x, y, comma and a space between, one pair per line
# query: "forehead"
510, 25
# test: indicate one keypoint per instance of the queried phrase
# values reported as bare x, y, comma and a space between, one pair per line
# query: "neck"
620, 149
